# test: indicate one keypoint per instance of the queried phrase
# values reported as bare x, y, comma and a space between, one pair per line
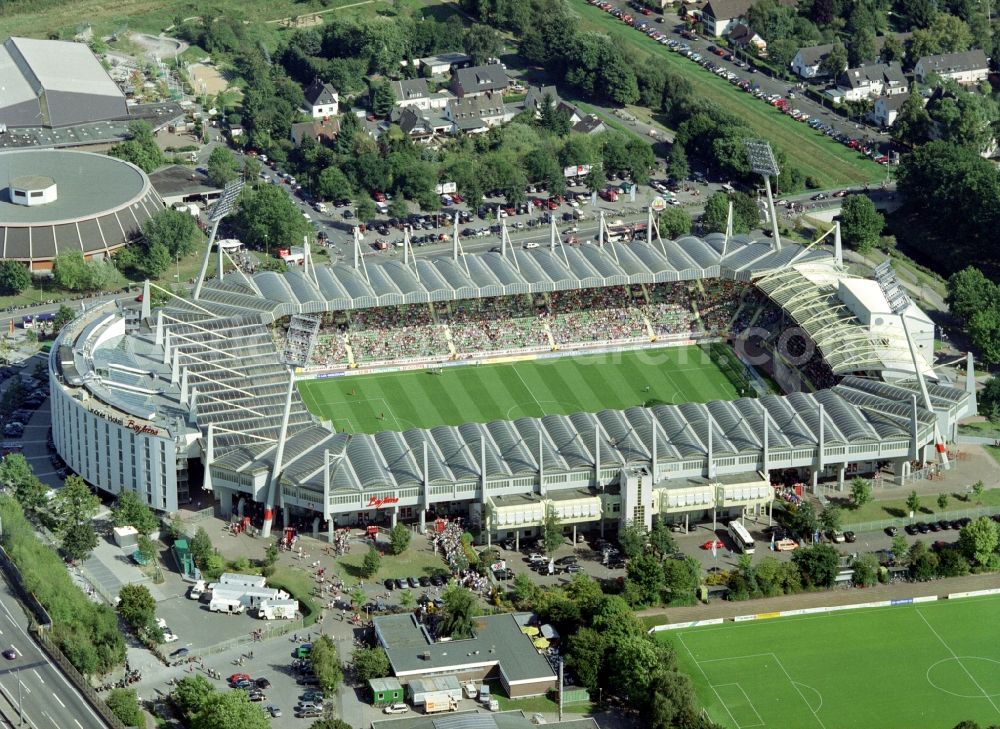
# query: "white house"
868, 82
969, 67
416, 93
721, 16
475, 114
887, 109
443, 63
322, 100
807, 60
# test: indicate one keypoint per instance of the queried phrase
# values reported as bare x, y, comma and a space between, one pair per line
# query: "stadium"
58, 201
501, 387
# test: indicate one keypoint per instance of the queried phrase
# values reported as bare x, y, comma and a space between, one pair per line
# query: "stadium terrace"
144, 397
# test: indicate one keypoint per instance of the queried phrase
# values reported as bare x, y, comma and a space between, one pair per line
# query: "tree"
14, 277
124, 703
191, 693
15, 470
586, 656
222, 166
861, 47
913, 502
803, 522
913, 124
552, 531
674, 222
140, 148
481, 42
681, 578
63, 317
201, 547
865, 571
79, 540
633, 540
406, 599
330, 724
677, 165
357, 598
136, 606
716, 215
970, 291
399, 539
70, 272
525, 589
146, 548
923, 562
977, 490
900, 548
978, 541
861, 491
128, 510
382, 98
332, 184
818, 564
835, 61
398, 208
365, 209
371, 562
368, 663
661, 540
645, 580
456, 615
861, 223
267, 216
74, 504
325, 661
830, 519
230, 710
942, 501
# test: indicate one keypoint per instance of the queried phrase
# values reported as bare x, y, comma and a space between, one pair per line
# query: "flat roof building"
53, 83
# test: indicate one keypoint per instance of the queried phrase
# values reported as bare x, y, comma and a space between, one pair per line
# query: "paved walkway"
838, 596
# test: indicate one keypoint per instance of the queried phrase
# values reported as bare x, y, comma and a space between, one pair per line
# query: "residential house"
808, 59
869, 82
887, 109
534, 99
969, 67
322, 130
476, 114
589, 124
415, 92
742, 37
719, 17
321, 100
479, 80
419, 125
443, 63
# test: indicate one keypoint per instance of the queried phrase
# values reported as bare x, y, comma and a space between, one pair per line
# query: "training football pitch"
562, 385
928, 665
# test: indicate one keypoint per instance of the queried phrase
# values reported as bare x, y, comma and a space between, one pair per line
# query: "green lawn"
929, 510
818, 156
930, 665
397, 401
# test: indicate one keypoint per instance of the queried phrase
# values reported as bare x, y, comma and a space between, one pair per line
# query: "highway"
48, 700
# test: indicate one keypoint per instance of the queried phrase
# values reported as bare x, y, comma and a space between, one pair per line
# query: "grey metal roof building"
209, 372
102, 204
54, 84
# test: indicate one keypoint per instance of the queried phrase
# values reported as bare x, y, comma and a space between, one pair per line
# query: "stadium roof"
808, 292
391, 283
55, 83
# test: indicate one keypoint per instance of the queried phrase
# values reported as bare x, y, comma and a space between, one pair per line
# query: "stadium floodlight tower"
899, 303
763, 163
225, 205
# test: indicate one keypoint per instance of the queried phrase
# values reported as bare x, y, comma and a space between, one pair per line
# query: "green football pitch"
927, 665
562, 385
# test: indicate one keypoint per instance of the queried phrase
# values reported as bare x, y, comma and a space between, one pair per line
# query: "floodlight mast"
899, 302
763, 163
223, 207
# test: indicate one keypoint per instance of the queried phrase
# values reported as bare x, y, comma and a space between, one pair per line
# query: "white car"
161, 623
396, 709
529, 245
169, 637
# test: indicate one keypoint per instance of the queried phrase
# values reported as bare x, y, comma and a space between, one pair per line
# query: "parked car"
717, 543
396, 708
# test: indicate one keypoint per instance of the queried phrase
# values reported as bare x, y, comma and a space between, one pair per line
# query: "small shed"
434, 686
185, 562
126, 536
385, 691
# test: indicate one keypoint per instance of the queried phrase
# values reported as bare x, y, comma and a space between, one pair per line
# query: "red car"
716, 542
239, 677
379, 196
456, 198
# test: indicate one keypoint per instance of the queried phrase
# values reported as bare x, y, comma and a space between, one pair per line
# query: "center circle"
963, 676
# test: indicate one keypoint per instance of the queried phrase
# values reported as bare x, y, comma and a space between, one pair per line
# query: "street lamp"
763, 163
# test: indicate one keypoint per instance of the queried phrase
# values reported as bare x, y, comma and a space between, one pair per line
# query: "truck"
277, 609
225, 604
234, 578
438, 704
321, 208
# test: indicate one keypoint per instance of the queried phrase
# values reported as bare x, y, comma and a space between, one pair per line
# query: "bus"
741, 537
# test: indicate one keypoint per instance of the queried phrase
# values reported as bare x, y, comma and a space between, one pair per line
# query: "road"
48, 700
